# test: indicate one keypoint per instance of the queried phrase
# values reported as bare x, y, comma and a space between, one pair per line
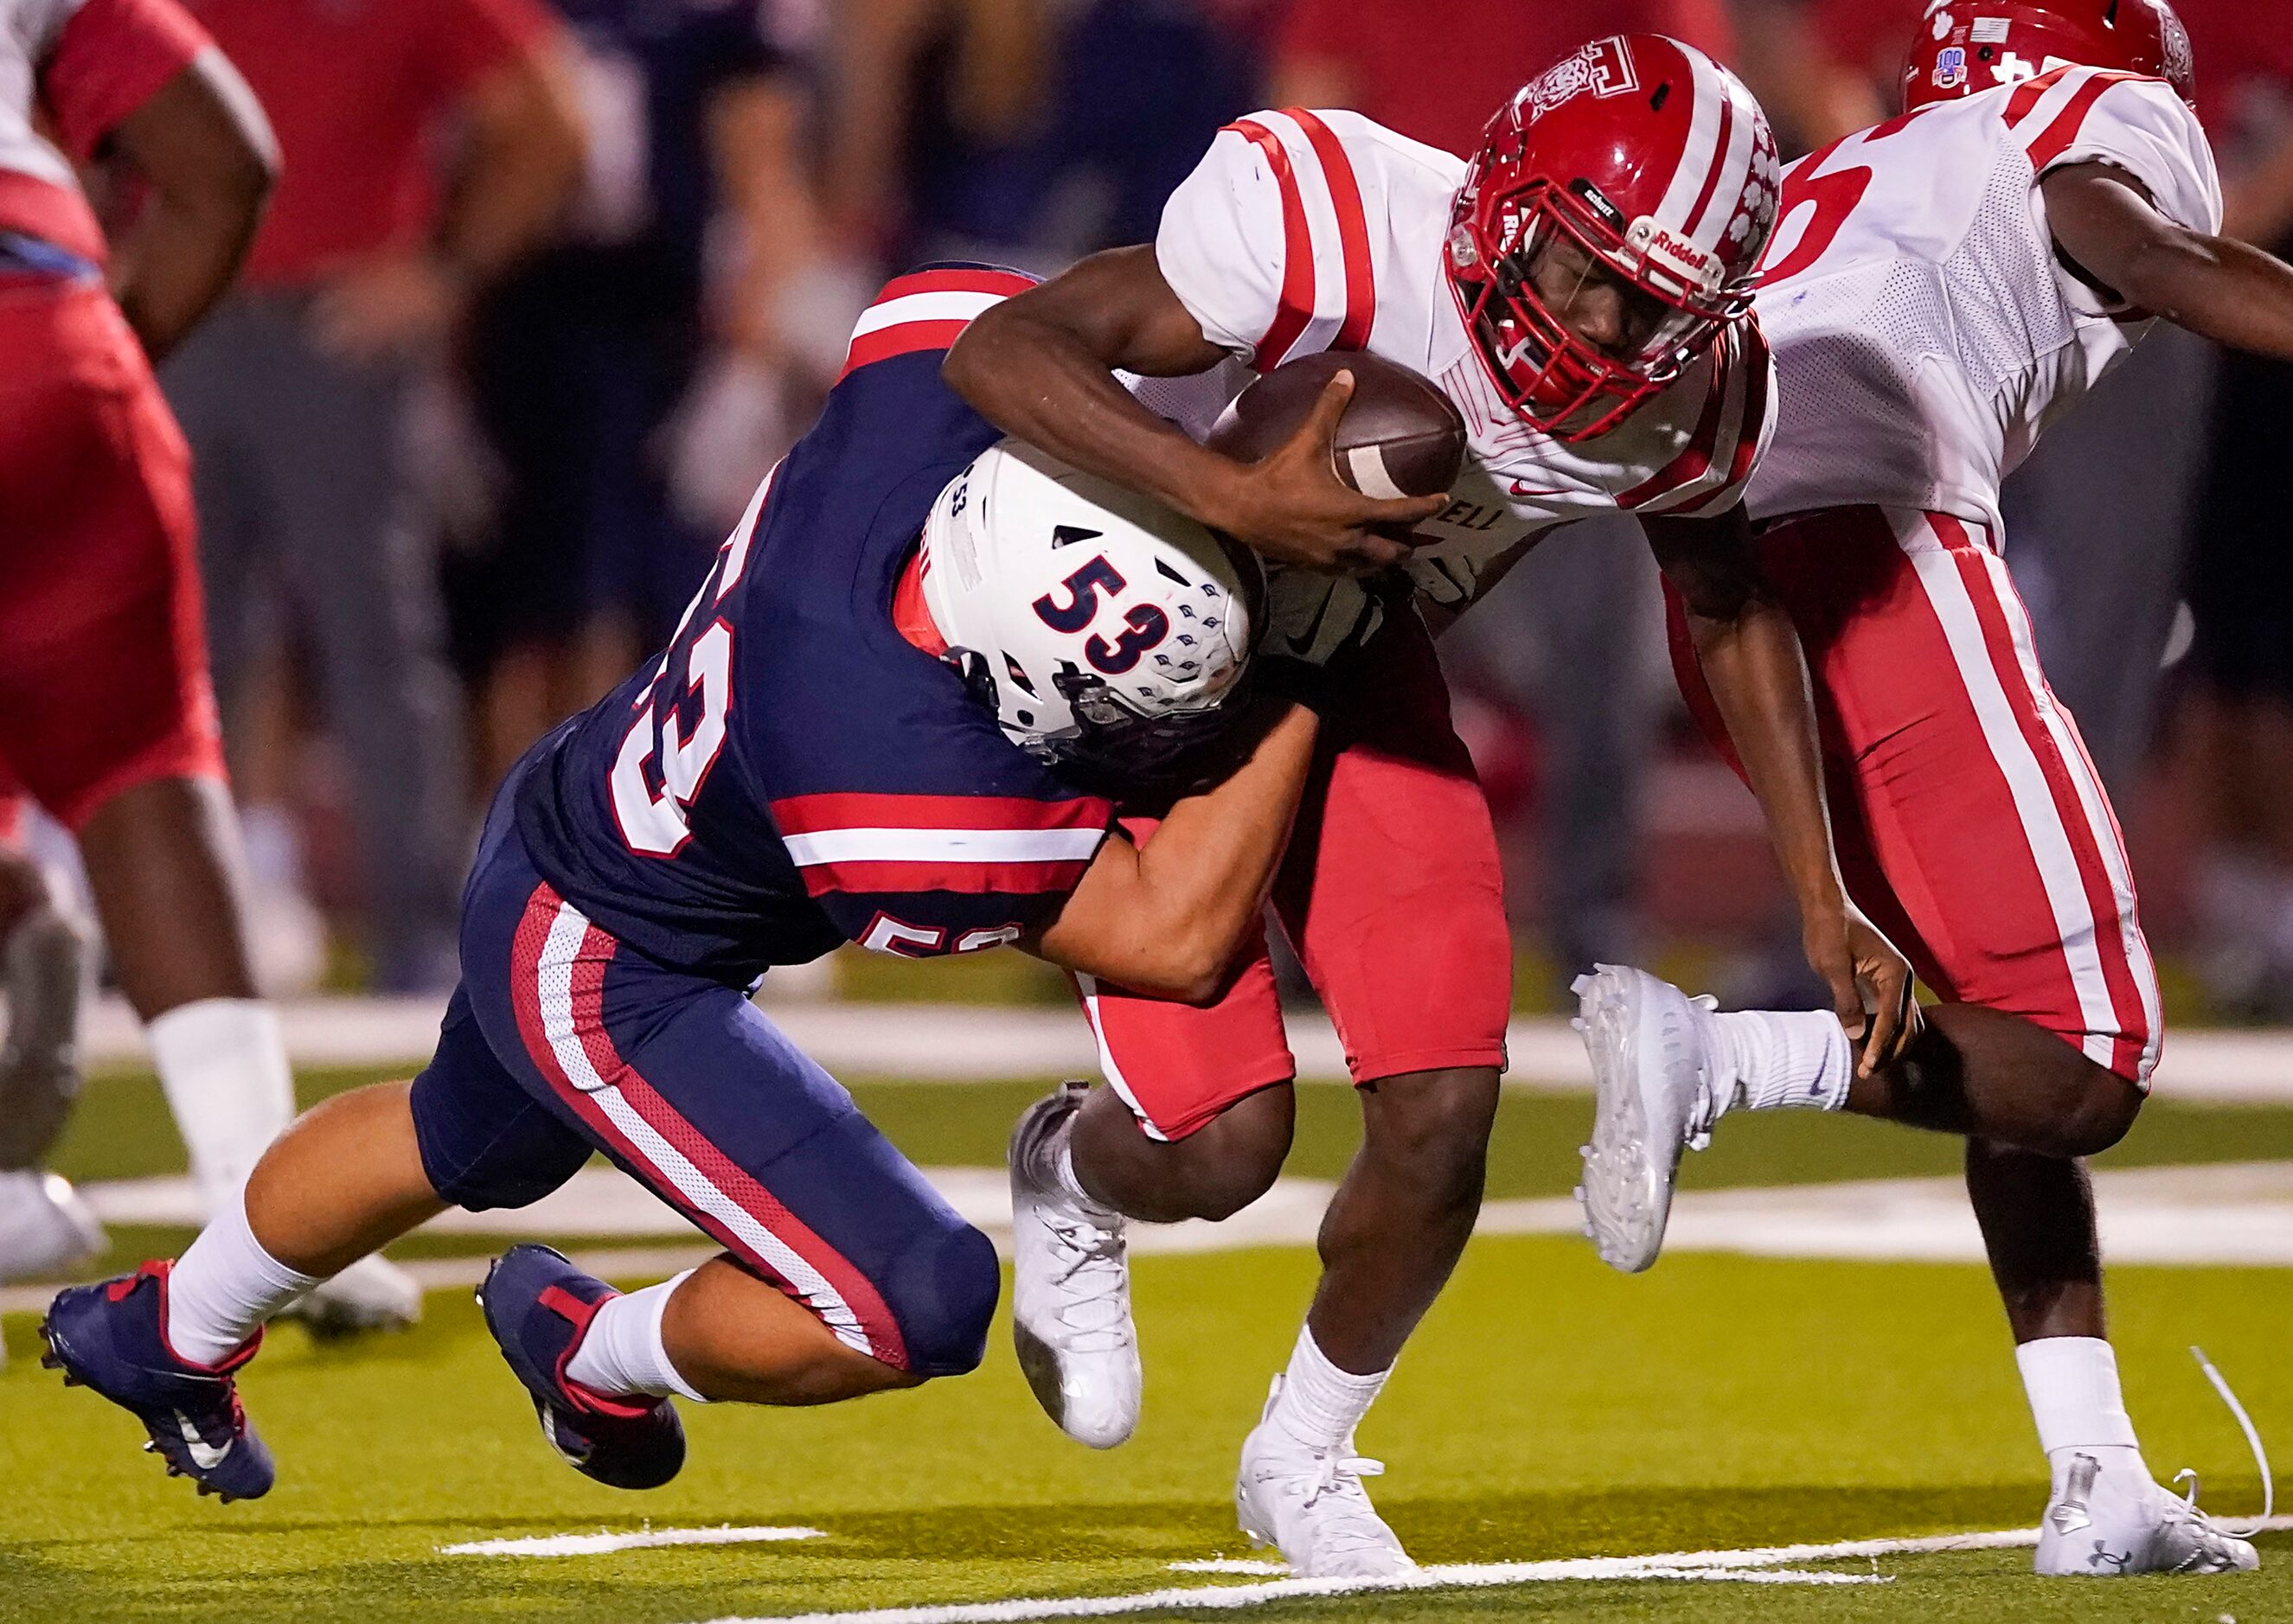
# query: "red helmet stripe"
1712, 179
1296, 306
1353, 230
2055, 139
1699, 153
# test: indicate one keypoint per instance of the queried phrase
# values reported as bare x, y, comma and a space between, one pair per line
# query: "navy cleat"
113, 1336
539, 1307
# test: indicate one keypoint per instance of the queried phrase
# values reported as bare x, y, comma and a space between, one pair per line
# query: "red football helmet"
1966, 45
1637, 160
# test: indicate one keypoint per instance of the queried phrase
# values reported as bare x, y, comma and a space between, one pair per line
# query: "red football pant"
1971, 826
104, 670
1391, 894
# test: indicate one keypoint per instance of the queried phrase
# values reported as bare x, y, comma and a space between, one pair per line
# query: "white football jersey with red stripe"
1925, 331
1301, 231
75, 68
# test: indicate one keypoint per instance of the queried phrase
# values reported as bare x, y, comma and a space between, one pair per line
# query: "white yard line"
651, 1539
1769, 1564
2228, 1213
969, 1043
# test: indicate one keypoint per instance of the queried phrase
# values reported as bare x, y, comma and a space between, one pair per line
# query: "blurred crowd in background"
546, 288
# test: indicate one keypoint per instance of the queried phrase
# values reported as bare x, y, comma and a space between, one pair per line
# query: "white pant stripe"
2093, 803
555, 973
2026, 780
1087, 985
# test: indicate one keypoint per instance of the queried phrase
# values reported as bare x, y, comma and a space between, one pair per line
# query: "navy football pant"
562, 1040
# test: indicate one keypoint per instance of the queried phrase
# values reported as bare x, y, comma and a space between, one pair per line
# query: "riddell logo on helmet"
1604, 68
1675, 253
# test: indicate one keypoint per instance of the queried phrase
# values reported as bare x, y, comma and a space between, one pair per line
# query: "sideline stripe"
590, 1545
1752, 1566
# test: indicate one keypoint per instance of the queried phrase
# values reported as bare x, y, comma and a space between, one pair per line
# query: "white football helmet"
1103, 628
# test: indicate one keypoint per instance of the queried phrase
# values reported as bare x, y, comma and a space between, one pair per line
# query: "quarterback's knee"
944, 1291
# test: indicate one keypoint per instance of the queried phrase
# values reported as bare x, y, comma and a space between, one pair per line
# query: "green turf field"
1550, 1409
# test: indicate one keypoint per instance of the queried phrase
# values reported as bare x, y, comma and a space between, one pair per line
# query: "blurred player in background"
1581, 290
44, 1228
1942, 287
105, 715
879, 722
426, 146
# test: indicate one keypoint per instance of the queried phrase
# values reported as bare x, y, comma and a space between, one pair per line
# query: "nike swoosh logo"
1304, 646
204, 1455
1520, 489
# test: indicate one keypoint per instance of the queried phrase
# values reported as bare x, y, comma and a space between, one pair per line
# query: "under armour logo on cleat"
2105, 1557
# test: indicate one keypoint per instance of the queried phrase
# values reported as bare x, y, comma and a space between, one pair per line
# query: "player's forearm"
1753, 665
178, 258
1169, 918
1039, 379
2216, 287
201, 146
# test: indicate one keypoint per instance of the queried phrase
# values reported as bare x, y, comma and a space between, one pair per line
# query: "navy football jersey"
792, 773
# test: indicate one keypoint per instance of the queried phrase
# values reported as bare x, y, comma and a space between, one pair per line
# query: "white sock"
225, 1286
621, 1351
223, 1066
1063, 1170
1319, 1404
1782, 1059
2072, 1382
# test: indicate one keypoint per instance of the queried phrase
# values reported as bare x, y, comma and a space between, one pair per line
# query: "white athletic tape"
592, 1545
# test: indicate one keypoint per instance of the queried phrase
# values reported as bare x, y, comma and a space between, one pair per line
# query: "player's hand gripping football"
1291, 506
1858, 964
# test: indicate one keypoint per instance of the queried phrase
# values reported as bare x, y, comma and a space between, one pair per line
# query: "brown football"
1400, 436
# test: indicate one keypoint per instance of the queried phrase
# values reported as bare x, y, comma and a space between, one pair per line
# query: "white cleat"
1070, 1287
46, 1229
1653, 1077
372, 1294
2104, 1524
1310, 1505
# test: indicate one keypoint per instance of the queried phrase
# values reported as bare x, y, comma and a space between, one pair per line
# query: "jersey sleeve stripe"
2055, 139
903, 339
1695, 461
110, 57
950, 305
927, 309
979, 280
871, 878
956, 848
1296, 305
816, 814
1353, 230
2030, 93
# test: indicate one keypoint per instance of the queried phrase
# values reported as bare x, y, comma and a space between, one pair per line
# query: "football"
1400, 436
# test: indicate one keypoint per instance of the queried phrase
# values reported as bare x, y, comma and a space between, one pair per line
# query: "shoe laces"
1090, 1275
2187, 1506
1350, 1523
